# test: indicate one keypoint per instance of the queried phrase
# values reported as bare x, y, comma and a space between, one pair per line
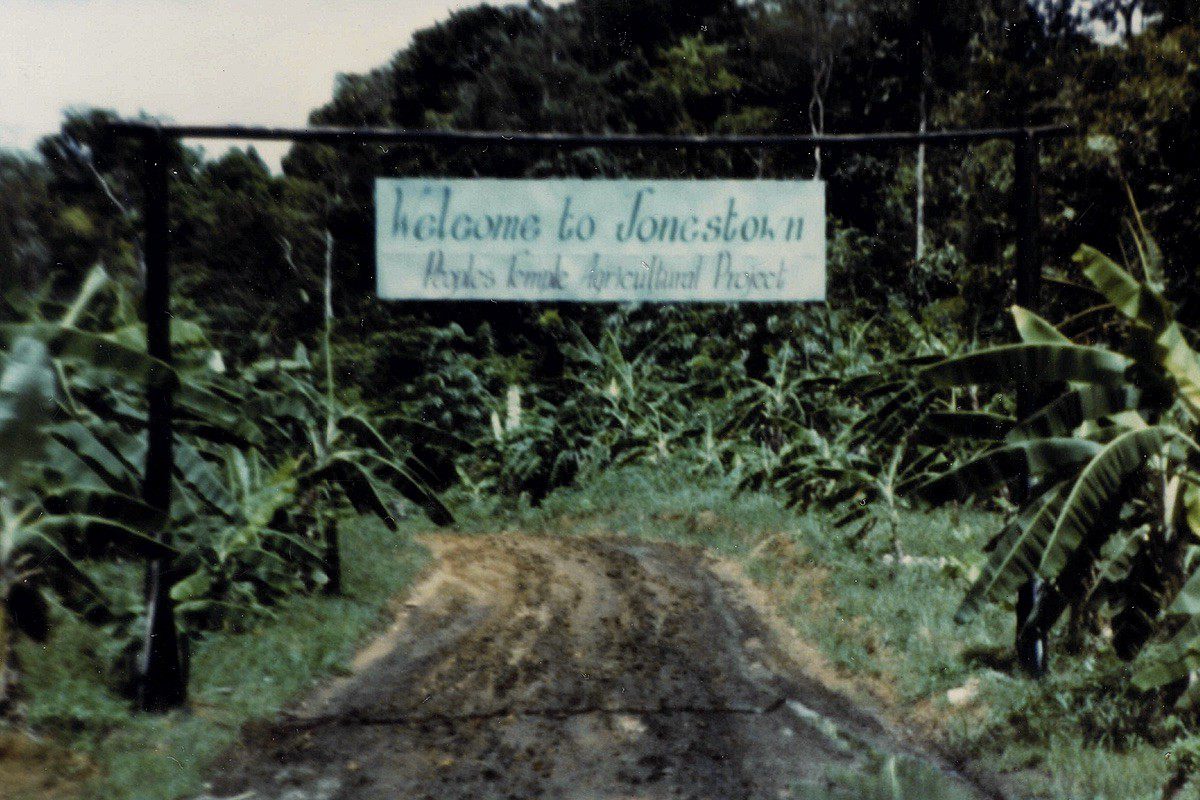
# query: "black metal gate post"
1030, 646
161, 678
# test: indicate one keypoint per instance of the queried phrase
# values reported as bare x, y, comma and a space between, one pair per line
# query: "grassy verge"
885, 624
116, 755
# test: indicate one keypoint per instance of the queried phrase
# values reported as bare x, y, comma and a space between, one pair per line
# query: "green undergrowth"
885, 619
235, 678
881, 617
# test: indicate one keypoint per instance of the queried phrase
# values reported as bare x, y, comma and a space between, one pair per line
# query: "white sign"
600, 240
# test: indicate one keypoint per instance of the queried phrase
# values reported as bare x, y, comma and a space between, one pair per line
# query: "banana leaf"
96, 349
185, 333
411, 486
1182, 363
91, 536
205, 412
869, 384
1024, 364
1034, 329
96, 279
364, 434
202, 478
914, 469
1089, 517
125, 509
898, 413
412, 426
1133, 299
27, 397
115, 469
61, 572
1140, 303
1065, 414
1016, 554
1181, 653
356, 481
1056, 458
1087, 513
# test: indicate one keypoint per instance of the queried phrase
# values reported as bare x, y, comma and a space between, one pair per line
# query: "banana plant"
342, 455
1109, 458
48, 527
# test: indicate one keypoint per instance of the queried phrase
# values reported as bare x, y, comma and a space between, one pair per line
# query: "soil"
575, 668
32, 769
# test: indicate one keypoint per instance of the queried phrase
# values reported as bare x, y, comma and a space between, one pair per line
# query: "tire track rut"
574, 668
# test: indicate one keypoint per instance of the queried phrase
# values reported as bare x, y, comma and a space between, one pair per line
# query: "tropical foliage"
1100, 461
262, 460
906, 387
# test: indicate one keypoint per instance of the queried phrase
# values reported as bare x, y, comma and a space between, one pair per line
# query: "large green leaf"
1124, 291
119, 507
895, 418
356, 481
364, 434
405, 477
1183, 364
1181, 653
59, 569
1142, 304
185, 333
1017, 553
96, 279
1025, 364
214, 417
94, 349
1131, 565
107, 453
415, 428
1056, 458
264, 490
405, 481
1062, 416
94, 535
1149, 253
1087, 514
1034, 329
202, 478
1090, 516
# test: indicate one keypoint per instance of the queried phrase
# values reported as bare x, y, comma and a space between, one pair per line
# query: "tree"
26, 215
644, 26
249, 240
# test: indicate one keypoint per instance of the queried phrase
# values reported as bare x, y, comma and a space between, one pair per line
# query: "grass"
886, 625
235, 678
892, 779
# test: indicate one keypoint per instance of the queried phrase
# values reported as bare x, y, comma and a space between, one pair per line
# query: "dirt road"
569, 668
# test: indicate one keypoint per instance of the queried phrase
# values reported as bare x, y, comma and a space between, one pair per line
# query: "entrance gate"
161, 678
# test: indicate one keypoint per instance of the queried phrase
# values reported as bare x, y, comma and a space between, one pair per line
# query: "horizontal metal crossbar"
452, 137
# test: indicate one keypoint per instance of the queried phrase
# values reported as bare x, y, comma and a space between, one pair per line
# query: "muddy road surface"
575, 668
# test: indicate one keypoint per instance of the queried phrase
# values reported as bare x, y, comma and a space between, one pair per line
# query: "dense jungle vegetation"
304, 401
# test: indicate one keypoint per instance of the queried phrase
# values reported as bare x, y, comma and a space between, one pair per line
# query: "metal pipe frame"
331, 135
162, 679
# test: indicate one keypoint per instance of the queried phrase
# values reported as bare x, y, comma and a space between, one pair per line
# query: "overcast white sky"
250, 61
